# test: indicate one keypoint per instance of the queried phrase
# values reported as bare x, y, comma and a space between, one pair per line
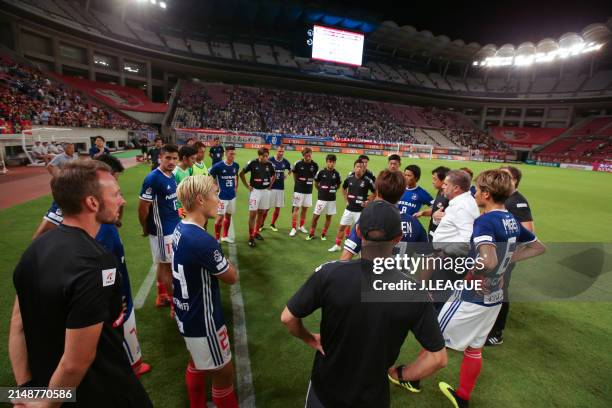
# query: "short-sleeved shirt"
154, 155
412, 232
368, 174
160, 190
518, 206
197, 261
357, 192
413, 199
180, 174
227, 177
304, 174
280, 166
94, 150
329, 183
216, 153
360, 338
108, 237
67, 280
261, 174
501, 229
63, 158
199, 169
440, 202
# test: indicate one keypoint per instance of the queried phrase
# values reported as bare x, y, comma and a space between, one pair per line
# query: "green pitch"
555, 353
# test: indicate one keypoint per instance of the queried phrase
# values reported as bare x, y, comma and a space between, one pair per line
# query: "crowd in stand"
287, 112
29, 97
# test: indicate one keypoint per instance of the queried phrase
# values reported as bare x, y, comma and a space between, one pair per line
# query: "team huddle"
359, 342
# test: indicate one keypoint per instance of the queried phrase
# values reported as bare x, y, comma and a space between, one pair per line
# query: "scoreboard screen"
334, 45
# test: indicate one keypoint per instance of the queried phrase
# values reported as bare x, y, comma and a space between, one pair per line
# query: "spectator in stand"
98, 149
154, 152
61, 159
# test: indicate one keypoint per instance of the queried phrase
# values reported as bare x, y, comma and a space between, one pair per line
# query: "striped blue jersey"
413, 199
501, 229
196, 261
108, 236
227, 178
160, 190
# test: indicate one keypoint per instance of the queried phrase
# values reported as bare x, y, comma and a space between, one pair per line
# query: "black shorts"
143, 150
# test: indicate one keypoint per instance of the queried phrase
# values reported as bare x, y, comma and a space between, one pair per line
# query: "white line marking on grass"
145, 288
246, 392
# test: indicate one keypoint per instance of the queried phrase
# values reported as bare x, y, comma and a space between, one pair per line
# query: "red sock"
302, 221
224, 397
470, 369
338, 241
347, 231
252, 233
275, 215
196, 386
293, 220
263, 219
161, 288
226, 225
312, 231
218, 225
324, 232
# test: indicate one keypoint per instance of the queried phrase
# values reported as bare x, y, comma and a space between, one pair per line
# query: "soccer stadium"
319, 204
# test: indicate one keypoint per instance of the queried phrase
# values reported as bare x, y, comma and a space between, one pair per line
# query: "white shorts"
226, 206
277, 198
161, 248
302, 200
329, 207
464, 324
349, 217
130, 339
202, 355
259, 200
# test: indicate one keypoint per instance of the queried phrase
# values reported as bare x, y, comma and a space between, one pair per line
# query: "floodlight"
162, 4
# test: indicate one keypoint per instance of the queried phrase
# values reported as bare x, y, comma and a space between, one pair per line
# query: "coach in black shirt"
68, 296
359, 339
518, 206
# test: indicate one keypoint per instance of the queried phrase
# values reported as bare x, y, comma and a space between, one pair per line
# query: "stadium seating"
29, 97
587, 142
203, 105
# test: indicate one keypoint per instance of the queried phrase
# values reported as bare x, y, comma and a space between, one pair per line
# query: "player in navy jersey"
415, 196
225, 174
277, 192
327, 182
198, 265
466, 318
438, 175
304, 172
108, 236
262, 179
216, 152
158, 216
390, 185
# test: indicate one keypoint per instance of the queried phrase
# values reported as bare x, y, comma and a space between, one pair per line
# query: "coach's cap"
382, 217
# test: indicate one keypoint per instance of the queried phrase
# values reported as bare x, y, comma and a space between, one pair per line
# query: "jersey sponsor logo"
217, 255
108, 276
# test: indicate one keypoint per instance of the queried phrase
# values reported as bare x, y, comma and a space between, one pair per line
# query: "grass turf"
556, 353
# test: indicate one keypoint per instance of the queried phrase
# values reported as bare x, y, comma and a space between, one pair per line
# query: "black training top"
440, 202
261, 174
357, 192
66, 280
361, 340
329, 182
304, 174
518, 206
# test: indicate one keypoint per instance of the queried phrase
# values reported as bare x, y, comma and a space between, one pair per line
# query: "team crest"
149, 191
217, 255
414, 197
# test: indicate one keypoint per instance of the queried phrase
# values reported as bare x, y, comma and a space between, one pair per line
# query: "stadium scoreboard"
335, 45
